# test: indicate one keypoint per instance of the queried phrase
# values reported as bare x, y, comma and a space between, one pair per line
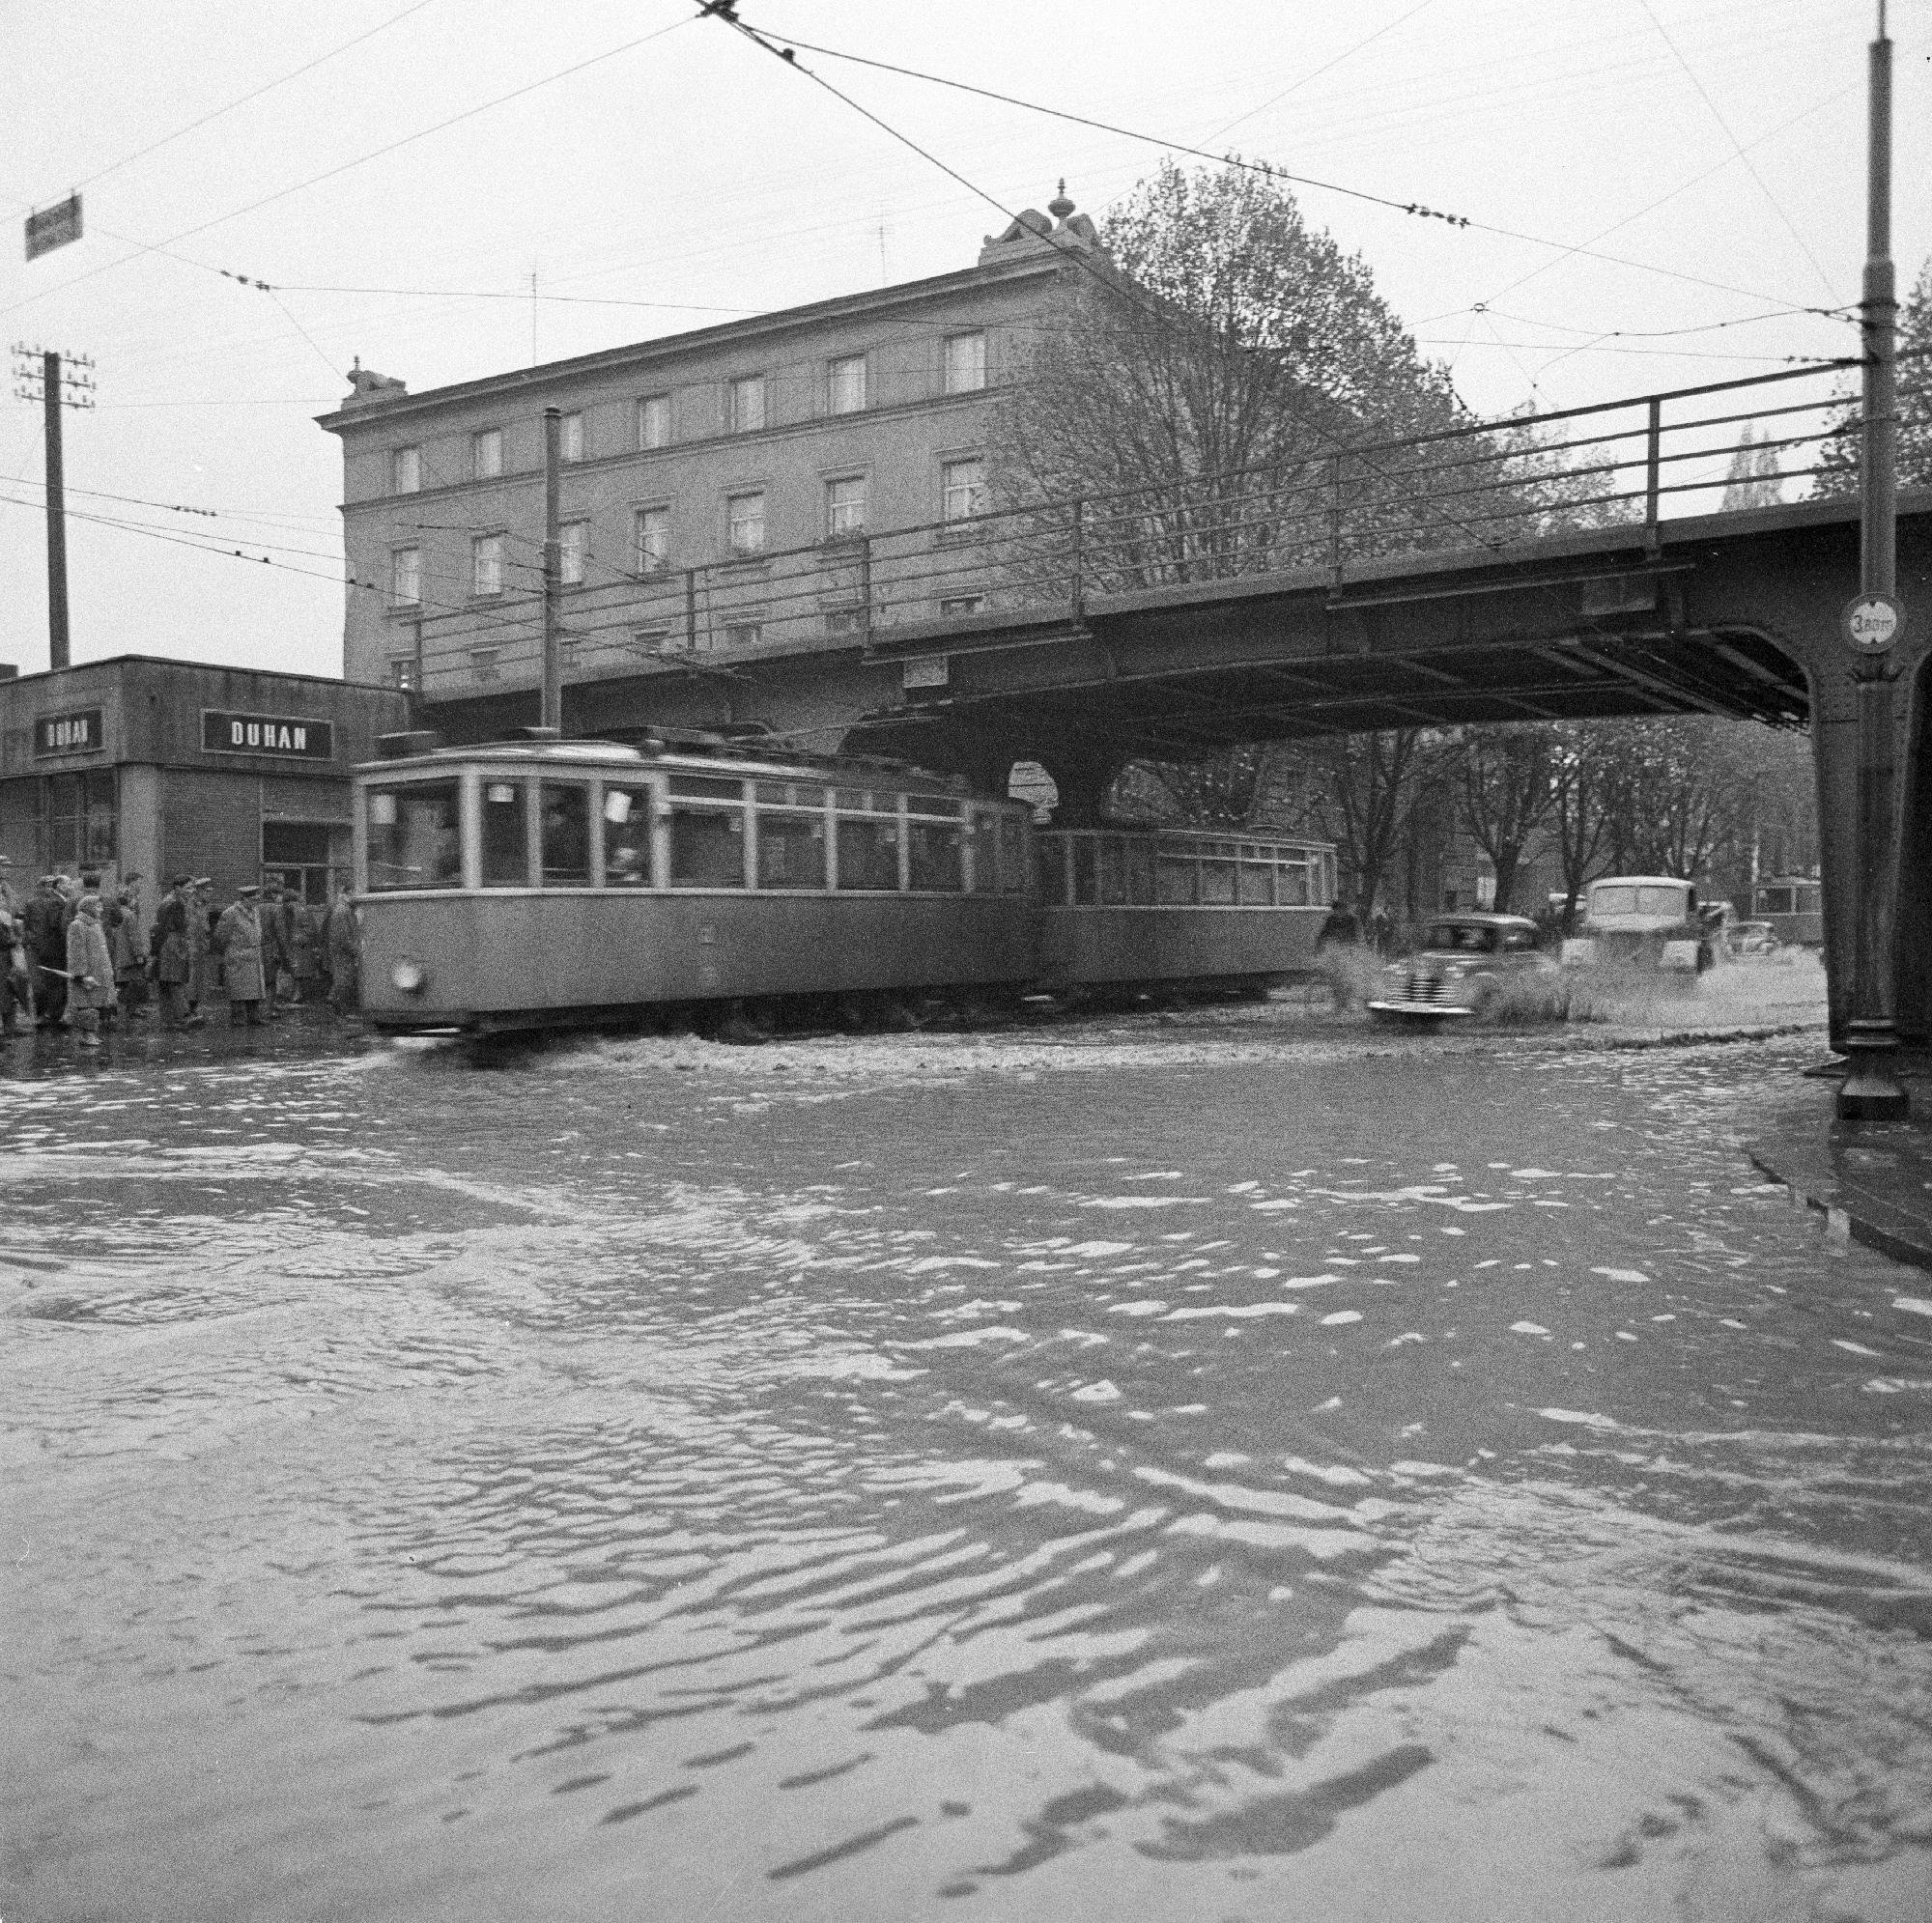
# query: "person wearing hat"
128, 944
200, 929
173, 961
237, 940
90, 969
15, 982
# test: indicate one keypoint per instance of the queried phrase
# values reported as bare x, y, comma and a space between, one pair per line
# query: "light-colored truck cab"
1643, 921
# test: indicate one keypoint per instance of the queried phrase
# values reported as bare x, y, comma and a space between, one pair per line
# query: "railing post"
1079, 555
691, 611
1335, 520
866, 589
1653, 482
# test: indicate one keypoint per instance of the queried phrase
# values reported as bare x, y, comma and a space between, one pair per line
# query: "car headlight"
1396, 970
408, 977
1455, 970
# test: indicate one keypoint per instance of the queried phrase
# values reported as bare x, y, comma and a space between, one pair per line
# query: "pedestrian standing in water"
128, 944
46, 951
343, 941
90, 969
305, 950
173, 959
16, 995
237, 940
200, 921
275, 956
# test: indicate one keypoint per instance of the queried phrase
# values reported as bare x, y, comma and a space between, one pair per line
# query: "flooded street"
1148, 1470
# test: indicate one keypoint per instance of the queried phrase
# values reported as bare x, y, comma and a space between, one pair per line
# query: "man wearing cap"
90, 969
237, 940
173, 961
196, 901
344, 939
15, 982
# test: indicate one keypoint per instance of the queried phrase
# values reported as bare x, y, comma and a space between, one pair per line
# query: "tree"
1839, 456
1754, 479
1364, 794
1507, 791
1201, 379
1578, 780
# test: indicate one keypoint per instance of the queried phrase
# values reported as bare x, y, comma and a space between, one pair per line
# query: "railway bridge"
1548, 571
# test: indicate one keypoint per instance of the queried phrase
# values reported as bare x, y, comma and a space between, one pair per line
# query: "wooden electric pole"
58, 388
552, 715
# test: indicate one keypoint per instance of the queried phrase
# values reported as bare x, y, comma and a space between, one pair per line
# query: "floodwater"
1138, 1473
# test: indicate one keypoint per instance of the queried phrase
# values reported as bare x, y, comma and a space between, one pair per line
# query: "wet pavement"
1238, 1465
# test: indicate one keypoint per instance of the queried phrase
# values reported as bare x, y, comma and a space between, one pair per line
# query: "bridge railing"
1485, 487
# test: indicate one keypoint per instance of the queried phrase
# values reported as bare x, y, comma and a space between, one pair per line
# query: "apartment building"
706, 477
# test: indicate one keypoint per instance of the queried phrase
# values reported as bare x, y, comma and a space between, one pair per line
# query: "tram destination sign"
286, 737
78, 733
52, 227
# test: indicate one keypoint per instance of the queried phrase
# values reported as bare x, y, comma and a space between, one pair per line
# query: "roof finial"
1060, 207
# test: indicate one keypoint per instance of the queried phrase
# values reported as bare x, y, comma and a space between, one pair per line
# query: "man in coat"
238, 939
90, 969
16, 994
344, 939
47, 949
276, 949
200, 937
173, 960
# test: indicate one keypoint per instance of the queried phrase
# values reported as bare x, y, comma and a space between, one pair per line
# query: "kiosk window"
627, 837
413, 836
564, 809
707, 833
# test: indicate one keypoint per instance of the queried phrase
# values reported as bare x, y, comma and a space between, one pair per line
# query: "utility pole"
552, 715
57, 389
1871, 1091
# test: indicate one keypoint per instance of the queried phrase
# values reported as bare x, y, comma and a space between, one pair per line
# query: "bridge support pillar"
1884, 873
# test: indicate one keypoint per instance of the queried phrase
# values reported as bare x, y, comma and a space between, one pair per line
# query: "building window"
963, 603
653, 641
847, 384
747, 404
747, 524
483, 663
570, 438
406, 473
403, 671
845, 507
486, 564
654, 421
845, 620
965, 363
573, 549
963, 489
79, 820
651, 539
406, 570
486, 454
743, 633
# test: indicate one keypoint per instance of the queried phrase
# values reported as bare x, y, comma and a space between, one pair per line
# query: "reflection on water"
652, 1480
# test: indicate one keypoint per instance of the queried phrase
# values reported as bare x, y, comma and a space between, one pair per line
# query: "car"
1755, 938
1469, 965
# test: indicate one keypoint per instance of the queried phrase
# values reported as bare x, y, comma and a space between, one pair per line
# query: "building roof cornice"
1037, 265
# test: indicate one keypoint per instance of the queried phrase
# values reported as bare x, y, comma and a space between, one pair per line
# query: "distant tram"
1795, 907
543, 883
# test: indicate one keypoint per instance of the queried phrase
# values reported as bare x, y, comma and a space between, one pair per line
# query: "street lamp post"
1871, 1091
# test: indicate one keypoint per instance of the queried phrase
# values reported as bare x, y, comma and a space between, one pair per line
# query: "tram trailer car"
546, 883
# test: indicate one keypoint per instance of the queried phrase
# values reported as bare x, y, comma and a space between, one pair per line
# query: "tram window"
1140, 872
1176, 879
1012, 855
506, 858
705, 787
791, 847
1049, 860
938, 858
565, 812
1257, 884
1086, 866
985, 832
1291, 885
413, 836
627, 837
1217, 882
1113, 870
790, 793
869, 853
707, 844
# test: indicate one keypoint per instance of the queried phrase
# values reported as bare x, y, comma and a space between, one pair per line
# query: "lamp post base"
1871, 1091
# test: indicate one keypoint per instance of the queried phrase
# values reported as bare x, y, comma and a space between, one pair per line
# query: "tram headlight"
408, 977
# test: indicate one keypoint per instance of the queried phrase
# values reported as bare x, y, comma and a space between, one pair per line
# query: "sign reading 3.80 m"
1872, 622
284, 736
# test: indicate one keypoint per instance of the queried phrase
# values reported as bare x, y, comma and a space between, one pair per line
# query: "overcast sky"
679, 177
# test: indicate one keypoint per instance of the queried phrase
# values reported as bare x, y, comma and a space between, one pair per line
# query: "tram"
539, 882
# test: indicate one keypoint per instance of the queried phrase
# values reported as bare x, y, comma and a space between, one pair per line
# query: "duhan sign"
77, 733
285, 737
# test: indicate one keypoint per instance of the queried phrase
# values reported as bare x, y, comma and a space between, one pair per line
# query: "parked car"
1469, 965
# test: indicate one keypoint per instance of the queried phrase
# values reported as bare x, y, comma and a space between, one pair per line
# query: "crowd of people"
79, 956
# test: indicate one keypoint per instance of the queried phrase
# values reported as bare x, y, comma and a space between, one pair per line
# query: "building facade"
706, 478
139, 766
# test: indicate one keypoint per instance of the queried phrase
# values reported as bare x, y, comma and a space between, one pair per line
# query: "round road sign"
1872, 622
